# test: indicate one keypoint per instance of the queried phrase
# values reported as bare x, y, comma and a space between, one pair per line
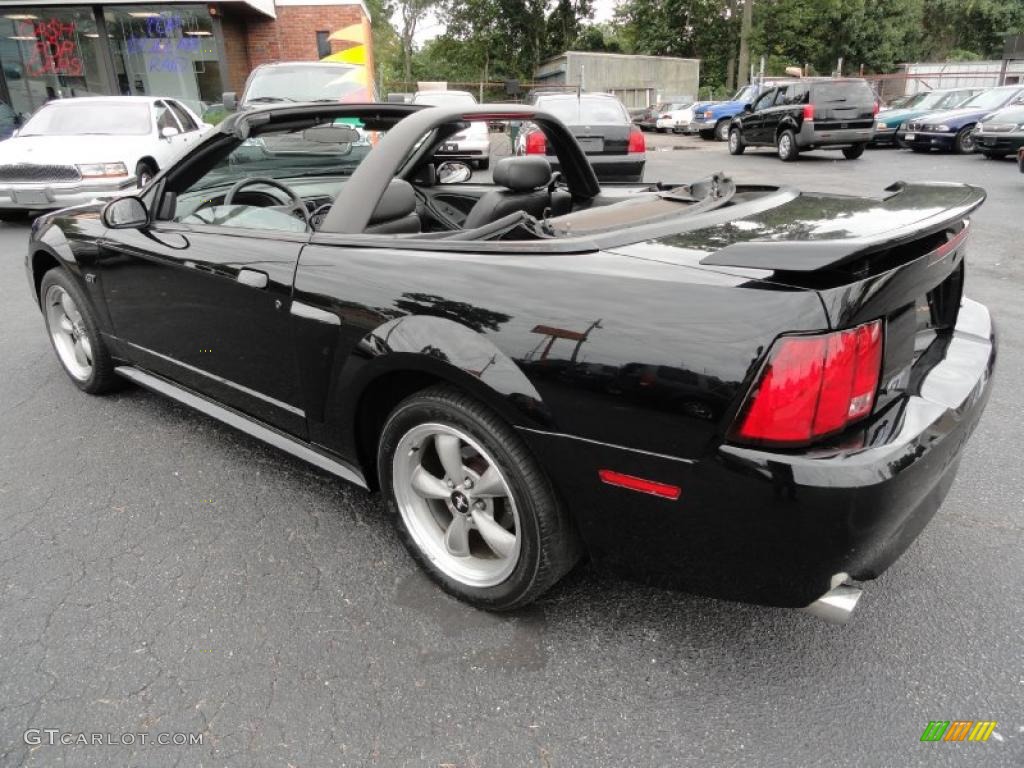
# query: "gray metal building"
638, 81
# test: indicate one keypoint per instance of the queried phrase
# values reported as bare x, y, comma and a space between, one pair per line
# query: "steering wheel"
297, 206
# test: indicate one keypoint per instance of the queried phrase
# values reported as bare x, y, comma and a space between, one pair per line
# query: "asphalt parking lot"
161, 573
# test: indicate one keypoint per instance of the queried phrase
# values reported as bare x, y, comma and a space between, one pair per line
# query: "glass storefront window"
165, 50
50, 53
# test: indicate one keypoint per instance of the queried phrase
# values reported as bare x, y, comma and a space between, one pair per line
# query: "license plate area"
450, 147
909, 137
30, 197
591, 143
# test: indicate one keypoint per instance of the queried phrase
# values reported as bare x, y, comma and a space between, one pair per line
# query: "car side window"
187, 123
783, 96
164, 117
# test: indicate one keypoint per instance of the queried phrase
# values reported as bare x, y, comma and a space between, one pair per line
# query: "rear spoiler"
951, 203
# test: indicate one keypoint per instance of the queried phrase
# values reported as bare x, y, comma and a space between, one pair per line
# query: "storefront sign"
56, 49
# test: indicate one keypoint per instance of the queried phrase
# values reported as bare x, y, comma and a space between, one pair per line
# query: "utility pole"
745, 27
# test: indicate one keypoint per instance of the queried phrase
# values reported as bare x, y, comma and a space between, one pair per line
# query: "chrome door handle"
253, 278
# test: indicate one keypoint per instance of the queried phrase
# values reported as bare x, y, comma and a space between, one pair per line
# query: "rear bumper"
1005, 144
465, 150
613, 167
51, 197
774, 528
811, 136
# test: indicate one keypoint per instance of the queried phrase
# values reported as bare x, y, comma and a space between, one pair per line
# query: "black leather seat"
396, 212
525, 180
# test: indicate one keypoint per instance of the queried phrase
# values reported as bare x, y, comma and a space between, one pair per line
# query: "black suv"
808, 114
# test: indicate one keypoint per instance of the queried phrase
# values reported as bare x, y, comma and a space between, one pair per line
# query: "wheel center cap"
460, 502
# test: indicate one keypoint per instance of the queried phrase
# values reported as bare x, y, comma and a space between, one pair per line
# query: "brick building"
190, 51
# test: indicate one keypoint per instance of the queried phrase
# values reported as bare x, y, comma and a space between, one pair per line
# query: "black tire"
483, 165
102, 378
722, 129
852, 153
549, 545
736, 144
964, 142
13, 217
786, 146
707, 135
144, 171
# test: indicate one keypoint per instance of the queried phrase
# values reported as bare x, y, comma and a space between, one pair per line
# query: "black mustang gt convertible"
748, 392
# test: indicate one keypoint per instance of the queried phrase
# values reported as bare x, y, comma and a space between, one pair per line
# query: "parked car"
1000, 133
647, 120
74, 150
809, 114
673, 114
1020, 160
953, 130
300, 81
614, 146
472, 144
813, 370
711, 119
890, 120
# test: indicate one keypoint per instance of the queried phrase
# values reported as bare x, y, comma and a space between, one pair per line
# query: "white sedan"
672, 114
72, 151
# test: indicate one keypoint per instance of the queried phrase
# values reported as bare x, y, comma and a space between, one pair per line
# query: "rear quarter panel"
602, 346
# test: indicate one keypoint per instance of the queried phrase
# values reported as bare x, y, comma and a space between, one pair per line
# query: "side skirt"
243, 423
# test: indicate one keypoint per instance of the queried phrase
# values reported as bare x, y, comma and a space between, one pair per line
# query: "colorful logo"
958, 730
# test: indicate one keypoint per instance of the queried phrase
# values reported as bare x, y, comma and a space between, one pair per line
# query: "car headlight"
943, 128
707, 115
102, 170
882, 126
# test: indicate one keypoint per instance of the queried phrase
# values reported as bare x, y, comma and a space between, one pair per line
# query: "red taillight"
637, 143
639, 484
874, 109
536, 144
813, 386
808, 111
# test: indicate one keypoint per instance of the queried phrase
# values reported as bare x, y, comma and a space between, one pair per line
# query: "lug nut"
468, 483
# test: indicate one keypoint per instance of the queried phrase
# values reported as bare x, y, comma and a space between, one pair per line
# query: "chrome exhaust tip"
836, 606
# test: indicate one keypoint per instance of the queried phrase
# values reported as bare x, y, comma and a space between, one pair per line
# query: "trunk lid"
899, 258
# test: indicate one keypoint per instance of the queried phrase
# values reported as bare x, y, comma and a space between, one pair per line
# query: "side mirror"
230, 100
168, 131
452, 172
126, 213
748, 107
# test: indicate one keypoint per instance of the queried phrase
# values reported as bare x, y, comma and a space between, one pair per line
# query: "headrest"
397, 201
522, 174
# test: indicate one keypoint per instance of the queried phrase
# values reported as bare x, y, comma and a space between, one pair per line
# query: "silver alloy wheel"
966, 141
722, 131
734, 140
456, 505
67, 329
785, 145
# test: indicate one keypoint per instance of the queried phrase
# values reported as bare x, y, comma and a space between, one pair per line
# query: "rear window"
857, 92
583, 111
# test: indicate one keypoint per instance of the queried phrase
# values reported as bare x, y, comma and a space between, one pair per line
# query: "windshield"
85, 117
583, 111
990, 99
314, 82
746, 93
444, 98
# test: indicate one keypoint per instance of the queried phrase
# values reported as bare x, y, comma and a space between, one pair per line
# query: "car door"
169, 148
773, 115
190, 130
206, 306
754, 121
